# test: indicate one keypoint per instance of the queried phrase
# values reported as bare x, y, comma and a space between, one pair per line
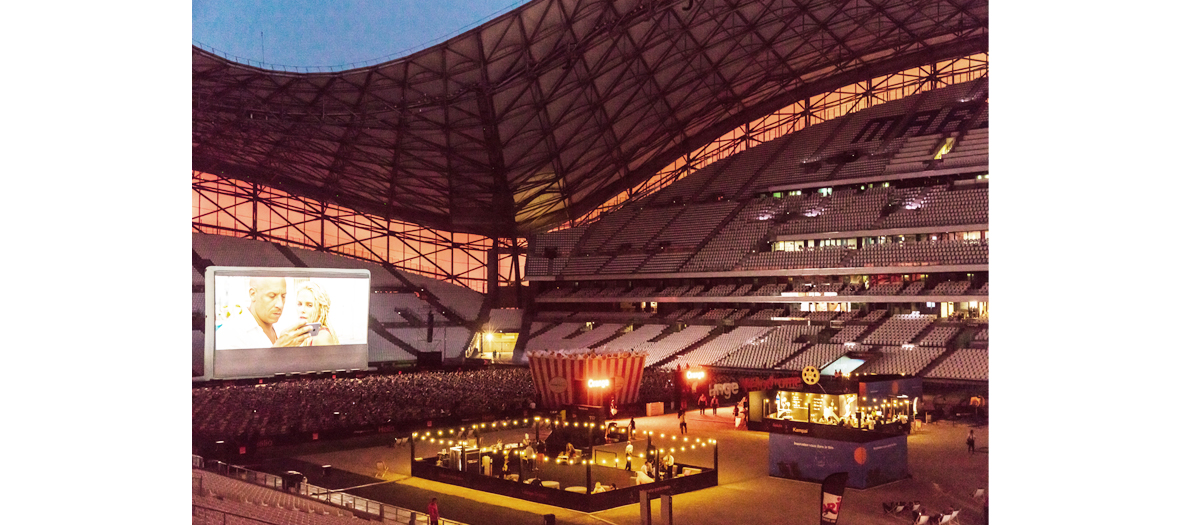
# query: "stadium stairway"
792, 355
618, 333
925, 331
823, 336
720, 226
551, 326
872, 327
937, 361
671, 329
378, 328
711, 336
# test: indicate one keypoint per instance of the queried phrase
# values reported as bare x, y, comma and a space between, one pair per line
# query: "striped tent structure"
586, 378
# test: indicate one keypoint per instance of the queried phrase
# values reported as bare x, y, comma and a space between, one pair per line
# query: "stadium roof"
549, 110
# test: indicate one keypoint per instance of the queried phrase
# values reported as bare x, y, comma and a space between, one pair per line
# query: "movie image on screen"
273, 320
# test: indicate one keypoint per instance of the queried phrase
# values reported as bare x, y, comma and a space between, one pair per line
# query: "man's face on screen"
267, 296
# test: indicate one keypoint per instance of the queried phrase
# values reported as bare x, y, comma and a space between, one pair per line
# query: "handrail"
224, 513
333, 497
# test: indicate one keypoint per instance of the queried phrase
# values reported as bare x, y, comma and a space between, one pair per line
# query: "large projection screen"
258, 321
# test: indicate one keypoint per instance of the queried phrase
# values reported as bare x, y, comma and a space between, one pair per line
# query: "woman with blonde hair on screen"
312, 304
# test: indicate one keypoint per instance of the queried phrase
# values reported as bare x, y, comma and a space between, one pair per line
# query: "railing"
203, 515
389, 513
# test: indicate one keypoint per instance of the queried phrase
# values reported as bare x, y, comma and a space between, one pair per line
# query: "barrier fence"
375, 509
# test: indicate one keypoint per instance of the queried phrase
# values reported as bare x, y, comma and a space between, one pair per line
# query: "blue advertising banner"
911, 387
813, 459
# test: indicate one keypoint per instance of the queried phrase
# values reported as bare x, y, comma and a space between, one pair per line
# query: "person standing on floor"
971, 441
716, 403
630, 452
432, 511
701, 402
683, 423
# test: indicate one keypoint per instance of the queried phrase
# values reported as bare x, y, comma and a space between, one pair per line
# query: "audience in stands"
305, 406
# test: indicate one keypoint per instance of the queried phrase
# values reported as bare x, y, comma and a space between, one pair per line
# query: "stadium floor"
943, 475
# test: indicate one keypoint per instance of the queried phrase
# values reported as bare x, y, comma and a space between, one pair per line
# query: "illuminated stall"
467, 457
838, 425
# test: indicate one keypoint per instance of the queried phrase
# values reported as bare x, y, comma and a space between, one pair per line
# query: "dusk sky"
319, 33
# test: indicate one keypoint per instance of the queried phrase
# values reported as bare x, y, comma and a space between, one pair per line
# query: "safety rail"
388, 513
203, 515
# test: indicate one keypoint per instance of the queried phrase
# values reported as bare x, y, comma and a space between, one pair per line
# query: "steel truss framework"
236, 208
231, 207
816, 109
545, 113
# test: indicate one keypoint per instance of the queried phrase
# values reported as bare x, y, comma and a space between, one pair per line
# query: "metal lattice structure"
236, 208
813, 110
540, 116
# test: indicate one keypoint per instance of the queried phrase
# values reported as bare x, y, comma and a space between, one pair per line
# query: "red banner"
557, 375
831, 495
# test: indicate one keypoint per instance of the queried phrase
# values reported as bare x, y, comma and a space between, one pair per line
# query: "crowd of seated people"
408, 399
323, 405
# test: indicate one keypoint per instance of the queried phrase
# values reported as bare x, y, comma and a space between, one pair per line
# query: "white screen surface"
260, 319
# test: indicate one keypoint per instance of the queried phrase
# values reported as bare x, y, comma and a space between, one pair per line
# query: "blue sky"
334, 33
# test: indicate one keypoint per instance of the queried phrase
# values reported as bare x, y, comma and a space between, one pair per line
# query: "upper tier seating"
950, 288
919, 254
720, 290
451, 340
816, 355
635, 337
821, 317
715, 314
965, 363
719, 347
693, 224
552, 339
383, 307
652, 220
937, 206
900, 360
845, 210
381, 349
585, 265
605, 228
734, 178
874, 316
585, 339
849, 333
939, 335
971, 150
849, 315
896, 137
665, 262
763, 353
623, 264
885, 289
899, 329
673, 343
765, 314
689, 185
812, 258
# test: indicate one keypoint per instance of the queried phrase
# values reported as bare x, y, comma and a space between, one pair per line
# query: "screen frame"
351, 356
